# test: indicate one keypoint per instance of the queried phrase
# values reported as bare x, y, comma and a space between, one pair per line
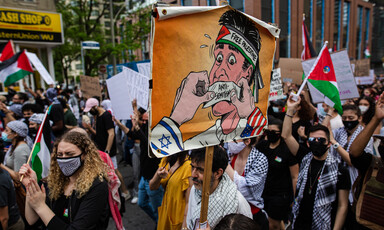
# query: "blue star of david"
166, 138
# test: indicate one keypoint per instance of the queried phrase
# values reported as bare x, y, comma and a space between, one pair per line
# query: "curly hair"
93, 166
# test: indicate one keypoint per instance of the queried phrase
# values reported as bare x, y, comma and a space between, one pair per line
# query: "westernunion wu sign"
30, 26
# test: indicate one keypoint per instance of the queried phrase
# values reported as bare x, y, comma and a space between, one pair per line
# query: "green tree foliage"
82, 22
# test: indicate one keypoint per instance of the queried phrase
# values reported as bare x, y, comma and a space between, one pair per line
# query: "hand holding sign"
192, 92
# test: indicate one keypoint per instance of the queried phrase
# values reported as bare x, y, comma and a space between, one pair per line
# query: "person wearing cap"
104, 135
16, 132
56, 115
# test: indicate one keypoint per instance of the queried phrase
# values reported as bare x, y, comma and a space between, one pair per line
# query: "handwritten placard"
362, 67
90, 86
276, 90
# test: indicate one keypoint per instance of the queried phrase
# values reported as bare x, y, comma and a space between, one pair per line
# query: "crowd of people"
306, 171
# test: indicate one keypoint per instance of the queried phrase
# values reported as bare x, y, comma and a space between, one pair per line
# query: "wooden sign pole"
206, 186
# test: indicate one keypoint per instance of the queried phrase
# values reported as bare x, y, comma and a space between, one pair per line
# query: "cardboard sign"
291, 70
191, 106
362, 67
344, 76
367, 80
90, 86
276, 91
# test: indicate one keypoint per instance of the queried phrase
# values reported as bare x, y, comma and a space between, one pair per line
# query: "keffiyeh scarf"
325, 193
222, 201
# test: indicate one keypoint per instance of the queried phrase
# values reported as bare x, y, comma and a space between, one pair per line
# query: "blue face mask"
322, 112
4, 137
275, 109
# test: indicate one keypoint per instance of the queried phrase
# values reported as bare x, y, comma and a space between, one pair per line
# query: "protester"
9, 213
73, 104
283, 169
104, 136
56, 114
70, 120
20, 98
364, 161
16, 132
224, 198
248, 169
174, 175
322, 185
335, 118
367, 107
301, 121
148, 200
77, 195
345, 136
34, 124
237, 222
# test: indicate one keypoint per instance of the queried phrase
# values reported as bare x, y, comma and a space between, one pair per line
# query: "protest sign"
40, 68
90, 86
344, 76
366, 80
120, 98
144, 68
276, 91
193, 72
291, 70
362, 67
138, 86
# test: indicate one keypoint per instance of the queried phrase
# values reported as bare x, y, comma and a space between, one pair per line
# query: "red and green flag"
322, 77
41, 156
6, 50
15, 68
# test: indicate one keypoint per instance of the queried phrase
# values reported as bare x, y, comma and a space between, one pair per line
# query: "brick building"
345, 24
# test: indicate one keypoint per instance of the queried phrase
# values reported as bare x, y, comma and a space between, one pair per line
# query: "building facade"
345, 24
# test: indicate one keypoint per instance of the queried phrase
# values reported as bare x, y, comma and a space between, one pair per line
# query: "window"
186, 3
107, 24
79, 67
266, 11
95, 13
359, 31
211, 2
237, 4
336, 25
346, 8
285, 28
319, 24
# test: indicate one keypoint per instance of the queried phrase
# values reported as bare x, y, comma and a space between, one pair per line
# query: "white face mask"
235, 148
363, 108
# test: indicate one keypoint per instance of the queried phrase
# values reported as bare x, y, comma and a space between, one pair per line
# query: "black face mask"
318, 149
349, 125
272, 136
93, 112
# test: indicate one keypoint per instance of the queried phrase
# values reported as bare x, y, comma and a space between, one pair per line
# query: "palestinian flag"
6, 50
15, 68
41, 156
308, 50
322, 77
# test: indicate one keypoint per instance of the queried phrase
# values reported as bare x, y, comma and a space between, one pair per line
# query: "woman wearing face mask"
16, 132
77, 187
367, 108
283, 170
344, 137
248, 169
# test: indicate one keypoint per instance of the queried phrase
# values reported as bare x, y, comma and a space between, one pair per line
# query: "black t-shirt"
8, 197
55, 115
104, 122
278, 180
148, 166
301, 152
304, 218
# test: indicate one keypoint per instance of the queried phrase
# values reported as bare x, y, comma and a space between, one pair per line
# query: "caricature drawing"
230, 89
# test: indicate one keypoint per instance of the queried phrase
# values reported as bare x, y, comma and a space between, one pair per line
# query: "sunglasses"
321, 140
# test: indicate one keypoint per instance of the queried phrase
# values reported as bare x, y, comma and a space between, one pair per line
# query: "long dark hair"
176, 157
367, 116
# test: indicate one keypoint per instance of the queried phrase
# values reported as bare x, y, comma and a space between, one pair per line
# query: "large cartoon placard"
211, 69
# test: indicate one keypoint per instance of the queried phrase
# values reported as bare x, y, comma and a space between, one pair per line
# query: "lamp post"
113, 19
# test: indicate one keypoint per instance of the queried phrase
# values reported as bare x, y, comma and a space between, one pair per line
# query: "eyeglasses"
321, 140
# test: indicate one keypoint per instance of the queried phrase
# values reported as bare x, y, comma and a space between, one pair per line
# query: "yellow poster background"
181, 46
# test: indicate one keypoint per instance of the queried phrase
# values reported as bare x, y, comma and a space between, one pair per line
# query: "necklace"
317, 178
